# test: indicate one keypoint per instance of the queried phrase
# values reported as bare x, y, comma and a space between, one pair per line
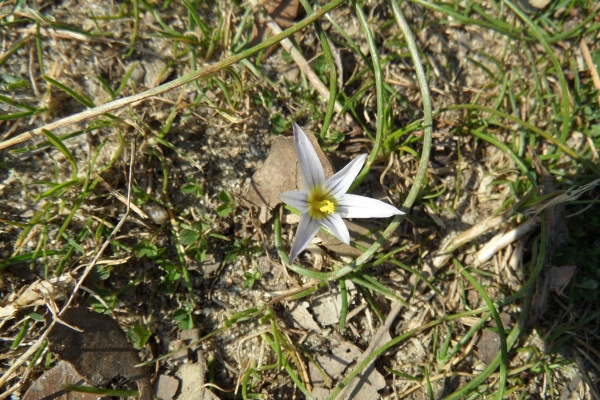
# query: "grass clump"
131, 131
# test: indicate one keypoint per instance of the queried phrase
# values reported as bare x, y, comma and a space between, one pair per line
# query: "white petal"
339, 183
310, 165
296, 199
307, 229
337, 227
353, 206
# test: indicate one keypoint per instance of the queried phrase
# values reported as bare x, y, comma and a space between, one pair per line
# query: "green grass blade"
8, 100
424, 159
28, 257
80, 97
499, 326
558, 69
566, 149
56, 142
125, 79
379, 92
199, 23
106, 87
333, 89
56, 190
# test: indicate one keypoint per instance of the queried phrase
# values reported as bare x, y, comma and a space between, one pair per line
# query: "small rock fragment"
166, 387
50, 385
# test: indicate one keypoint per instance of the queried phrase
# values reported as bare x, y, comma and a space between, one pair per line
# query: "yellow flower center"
320, 203
327, 207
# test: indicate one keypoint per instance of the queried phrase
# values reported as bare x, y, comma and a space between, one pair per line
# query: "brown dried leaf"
99, 353
557, 234
342, 355
560, 277
370, 382
553, 278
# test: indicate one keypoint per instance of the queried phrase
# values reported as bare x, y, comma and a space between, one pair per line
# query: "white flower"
325, 202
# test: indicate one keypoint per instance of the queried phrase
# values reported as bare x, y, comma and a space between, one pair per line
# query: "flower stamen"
326, 207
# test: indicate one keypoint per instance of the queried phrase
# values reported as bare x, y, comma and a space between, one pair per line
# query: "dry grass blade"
504, 239
303, 65
591, 65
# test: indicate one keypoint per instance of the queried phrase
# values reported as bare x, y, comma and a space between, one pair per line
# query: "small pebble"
157, 213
